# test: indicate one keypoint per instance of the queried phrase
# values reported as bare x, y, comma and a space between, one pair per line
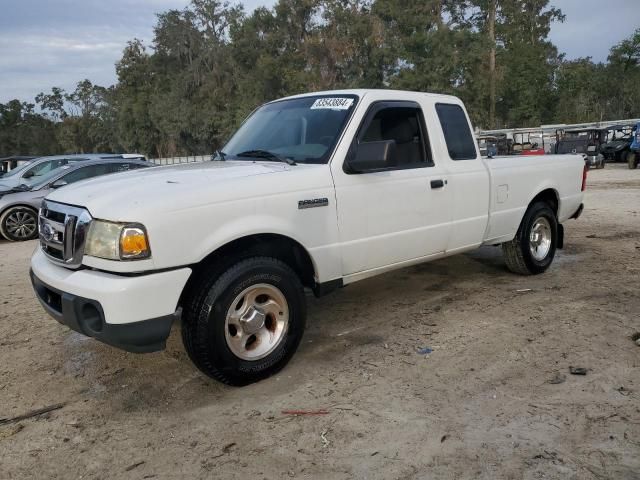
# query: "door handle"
437, 183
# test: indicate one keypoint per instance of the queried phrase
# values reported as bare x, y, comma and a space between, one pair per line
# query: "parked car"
618, 147
32, 170
586, 141
9, 163
633, 158
318, 191
19, 206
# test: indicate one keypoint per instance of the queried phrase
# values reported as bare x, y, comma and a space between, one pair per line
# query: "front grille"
53, 252
55, 216
62, 230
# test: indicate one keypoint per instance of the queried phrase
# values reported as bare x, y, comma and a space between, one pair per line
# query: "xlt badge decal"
314, 202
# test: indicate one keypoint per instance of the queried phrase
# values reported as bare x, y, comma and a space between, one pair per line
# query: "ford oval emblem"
47, 232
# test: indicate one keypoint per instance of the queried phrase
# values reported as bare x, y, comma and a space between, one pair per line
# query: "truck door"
468, 178
400, 213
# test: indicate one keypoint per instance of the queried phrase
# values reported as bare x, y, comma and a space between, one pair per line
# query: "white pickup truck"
314, 191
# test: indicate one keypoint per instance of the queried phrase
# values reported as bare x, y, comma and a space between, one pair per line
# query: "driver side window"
403, 125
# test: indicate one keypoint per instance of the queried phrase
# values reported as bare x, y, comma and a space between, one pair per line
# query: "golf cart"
618, 147
488, 145
529, 142
585, 141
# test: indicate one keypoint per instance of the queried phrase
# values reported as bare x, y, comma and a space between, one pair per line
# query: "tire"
624, 156
18, 224
518, 253
632, 160
217, 335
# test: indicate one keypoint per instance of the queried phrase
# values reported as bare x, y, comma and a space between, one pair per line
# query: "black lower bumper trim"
560, 243
86, 316
578, 212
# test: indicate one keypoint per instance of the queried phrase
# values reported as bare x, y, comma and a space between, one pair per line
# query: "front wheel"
246, 324
632, 160
18, 224
624, 156
534, 246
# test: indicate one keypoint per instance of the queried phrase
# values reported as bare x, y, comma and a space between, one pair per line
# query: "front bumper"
134, 313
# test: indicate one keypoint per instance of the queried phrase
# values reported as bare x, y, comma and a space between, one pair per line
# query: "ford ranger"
315, 192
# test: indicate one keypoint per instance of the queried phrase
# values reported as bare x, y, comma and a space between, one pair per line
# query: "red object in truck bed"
538, 151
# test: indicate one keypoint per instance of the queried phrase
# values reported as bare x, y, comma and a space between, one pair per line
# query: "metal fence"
179, 160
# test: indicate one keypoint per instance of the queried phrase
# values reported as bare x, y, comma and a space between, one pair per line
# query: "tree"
624, 71
132, 98
78, 116
25, 132
210, 64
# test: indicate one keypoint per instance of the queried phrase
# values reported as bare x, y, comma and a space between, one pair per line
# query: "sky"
46, 43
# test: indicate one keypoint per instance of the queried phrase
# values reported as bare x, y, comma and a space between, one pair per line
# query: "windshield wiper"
265, 154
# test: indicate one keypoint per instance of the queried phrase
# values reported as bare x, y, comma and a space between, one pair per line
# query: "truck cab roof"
378, 92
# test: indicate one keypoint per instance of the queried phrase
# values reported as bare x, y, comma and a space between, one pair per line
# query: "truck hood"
126, 196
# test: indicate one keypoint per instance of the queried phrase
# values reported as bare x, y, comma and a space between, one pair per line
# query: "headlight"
117, 241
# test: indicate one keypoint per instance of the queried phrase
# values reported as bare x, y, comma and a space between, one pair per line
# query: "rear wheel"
632, 160
18, 224
247, 323
534, 246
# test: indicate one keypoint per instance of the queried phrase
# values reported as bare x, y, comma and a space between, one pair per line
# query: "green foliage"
210, 64
22, 131
624, 71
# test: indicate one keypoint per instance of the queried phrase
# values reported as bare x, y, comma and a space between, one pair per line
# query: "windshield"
621, 136
302, 129
18, 169
576, 136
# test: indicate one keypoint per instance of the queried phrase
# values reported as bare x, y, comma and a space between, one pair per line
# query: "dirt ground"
482, 405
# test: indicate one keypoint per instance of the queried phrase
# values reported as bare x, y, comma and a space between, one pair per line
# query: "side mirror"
58, 183
28, 174
373, 156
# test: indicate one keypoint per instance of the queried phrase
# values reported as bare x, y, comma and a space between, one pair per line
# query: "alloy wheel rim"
256, 322
21, 224
540, 239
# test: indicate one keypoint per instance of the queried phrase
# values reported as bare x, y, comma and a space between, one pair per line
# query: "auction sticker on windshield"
335, 103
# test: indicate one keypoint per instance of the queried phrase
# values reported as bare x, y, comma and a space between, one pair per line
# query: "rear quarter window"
456, 131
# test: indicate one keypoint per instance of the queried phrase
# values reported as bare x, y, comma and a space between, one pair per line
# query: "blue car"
633, 158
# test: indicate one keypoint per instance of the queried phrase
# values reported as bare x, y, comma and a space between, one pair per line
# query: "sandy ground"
480, 406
